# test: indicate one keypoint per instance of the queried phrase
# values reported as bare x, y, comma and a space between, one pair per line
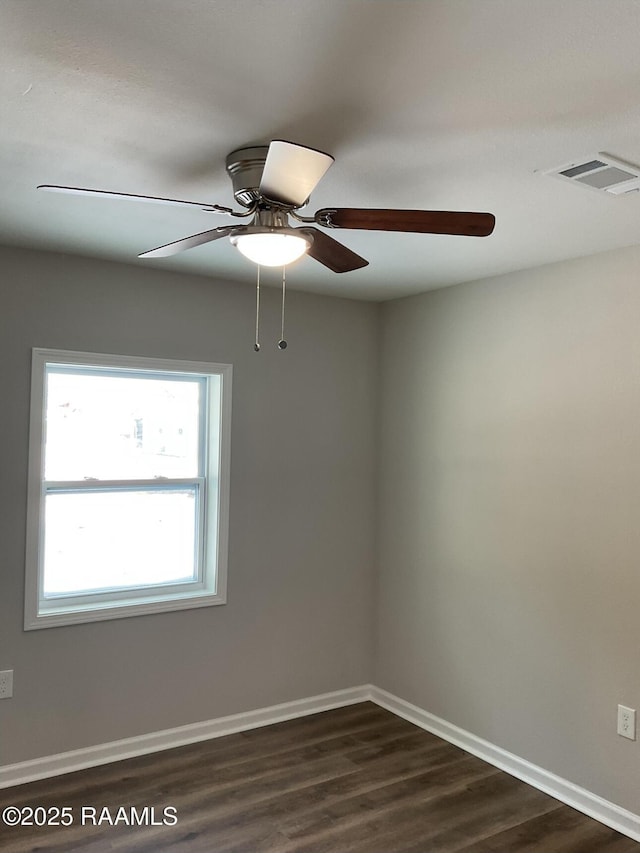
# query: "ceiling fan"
272, 183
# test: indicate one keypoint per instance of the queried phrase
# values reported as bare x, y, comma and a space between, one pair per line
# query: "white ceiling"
441, 104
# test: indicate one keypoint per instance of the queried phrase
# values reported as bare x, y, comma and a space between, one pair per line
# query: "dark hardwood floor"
353, 780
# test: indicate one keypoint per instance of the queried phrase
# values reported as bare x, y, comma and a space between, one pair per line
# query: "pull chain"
256, 346
282, 344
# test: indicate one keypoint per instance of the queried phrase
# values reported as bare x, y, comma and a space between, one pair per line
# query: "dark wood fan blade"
417, 221
291, 172
51, 188
332, 254
188, 242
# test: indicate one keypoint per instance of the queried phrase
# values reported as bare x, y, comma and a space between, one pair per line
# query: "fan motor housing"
245, 167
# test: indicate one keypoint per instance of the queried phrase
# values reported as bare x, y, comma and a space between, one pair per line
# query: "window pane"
119, 539
110, 427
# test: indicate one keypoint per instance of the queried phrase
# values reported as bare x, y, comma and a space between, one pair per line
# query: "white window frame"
211, 486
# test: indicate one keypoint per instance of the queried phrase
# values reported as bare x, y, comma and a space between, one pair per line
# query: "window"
128, 486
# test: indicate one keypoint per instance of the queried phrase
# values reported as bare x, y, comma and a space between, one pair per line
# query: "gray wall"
509, 533
299, 616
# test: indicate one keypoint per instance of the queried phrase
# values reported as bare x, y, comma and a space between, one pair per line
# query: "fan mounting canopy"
245, 167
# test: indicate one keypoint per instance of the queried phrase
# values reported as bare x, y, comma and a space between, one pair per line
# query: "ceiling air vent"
601, 172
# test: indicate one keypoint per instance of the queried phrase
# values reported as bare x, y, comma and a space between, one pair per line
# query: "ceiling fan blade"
51, 188
188, 242
291, 172
333, 254
417, 221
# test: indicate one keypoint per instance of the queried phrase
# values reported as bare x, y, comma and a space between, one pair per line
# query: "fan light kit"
272, 183
271, 248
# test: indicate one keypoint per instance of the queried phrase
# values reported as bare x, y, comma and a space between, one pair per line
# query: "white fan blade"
188, 243
291, 172
51, 188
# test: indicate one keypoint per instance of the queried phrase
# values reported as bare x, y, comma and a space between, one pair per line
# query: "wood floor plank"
563, 829
438, 808
308, 800
411, 754
353, 780
234, 827
381, 802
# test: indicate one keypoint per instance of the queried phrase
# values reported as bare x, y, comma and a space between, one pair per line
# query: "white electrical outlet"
6, 684
627, 722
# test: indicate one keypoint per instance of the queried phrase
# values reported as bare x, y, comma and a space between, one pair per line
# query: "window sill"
94, 613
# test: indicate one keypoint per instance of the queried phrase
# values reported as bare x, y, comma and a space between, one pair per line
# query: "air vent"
600, 173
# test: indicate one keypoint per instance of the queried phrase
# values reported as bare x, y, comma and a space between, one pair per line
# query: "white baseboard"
566, 792
572, 795
92, 756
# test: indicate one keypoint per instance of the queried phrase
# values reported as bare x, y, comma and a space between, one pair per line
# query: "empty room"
348, 293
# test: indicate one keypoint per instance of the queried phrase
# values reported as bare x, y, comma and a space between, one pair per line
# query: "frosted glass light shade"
271, 249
